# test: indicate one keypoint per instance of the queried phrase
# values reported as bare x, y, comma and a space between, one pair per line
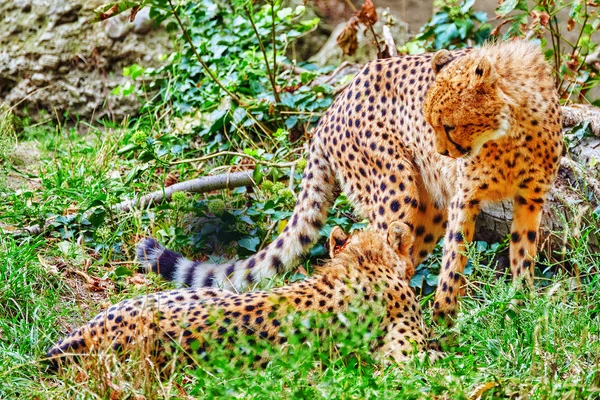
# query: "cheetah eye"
448, 128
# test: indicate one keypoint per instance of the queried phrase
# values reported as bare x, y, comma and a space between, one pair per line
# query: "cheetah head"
395, 251
465, 105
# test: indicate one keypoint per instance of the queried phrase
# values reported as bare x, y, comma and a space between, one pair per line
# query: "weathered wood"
199, 185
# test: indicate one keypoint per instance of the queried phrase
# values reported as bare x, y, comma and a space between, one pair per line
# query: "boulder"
54, 63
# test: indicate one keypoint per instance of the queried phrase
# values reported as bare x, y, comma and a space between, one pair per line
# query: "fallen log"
199, 185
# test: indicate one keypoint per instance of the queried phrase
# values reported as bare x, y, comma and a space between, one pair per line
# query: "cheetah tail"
302, 230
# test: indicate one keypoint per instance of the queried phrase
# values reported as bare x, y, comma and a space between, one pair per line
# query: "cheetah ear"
337, 240
440, 60
400, 238
484, 72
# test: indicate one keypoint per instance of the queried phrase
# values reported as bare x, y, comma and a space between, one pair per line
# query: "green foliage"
545, 348
231, 72
454, 25
542, 19
457, 25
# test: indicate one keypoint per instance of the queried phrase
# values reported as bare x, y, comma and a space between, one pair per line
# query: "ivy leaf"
467, 6
432, 280
506, 7
445, 34
464, 26
97, 217
249, 243
122, 271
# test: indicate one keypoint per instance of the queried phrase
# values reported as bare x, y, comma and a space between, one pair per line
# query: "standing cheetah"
364, 271
419, 139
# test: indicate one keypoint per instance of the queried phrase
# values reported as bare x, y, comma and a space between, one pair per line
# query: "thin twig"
291, 184
233, 96
264, 52
273, 36
389, 41
574, 50
28, 96
334, 74
294, 68
379, 52
198, 185
233, 153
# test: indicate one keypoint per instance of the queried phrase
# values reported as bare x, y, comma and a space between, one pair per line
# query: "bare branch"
198, 185
389, 41
576, 113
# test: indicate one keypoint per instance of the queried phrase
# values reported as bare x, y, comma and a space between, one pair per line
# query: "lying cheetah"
417, 139
364, 271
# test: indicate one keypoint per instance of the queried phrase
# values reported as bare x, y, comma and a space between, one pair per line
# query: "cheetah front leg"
463, 211
527, 215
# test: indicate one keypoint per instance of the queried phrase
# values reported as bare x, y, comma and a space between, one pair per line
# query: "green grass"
546, 347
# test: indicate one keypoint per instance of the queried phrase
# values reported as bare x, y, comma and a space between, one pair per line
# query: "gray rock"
142, 23
52, 61
24, 5
49, 61
38, 79
117, 28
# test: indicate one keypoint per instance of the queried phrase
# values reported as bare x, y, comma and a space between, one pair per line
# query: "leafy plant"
576, 63
230, 71
454, 25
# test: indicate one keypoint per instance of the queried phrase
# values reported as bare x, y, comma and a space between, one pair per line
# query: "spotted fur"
417, 139
365, 271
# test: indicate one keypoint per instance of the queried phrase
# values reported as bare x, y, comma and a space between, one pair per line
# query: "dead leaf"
367, 13
104, 15
573, 64
137, 280
480, 391
50, 268
112, 9
97, 285
182, 391
105, 304
386, 53
115, 394
570, 24
8, 228
301, 270
292, 88
72, 209
171, 179
82, 376
543, 18
133, 13
496, 30
347, 39
93, 284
